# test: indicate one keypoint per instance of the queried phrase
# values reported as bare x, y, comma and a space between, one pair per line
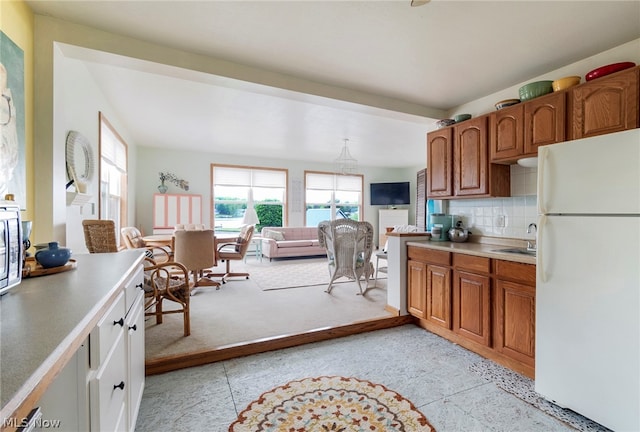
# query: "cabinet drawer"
525, 273
105, 334
473, 263
429, 255
132, 288
107, 397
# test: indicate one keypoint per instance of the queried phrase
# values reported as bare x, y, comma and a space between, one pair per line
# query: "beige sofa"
283, 242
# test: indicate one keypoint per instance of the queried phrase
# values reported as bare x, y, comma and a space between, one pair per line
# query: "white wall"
195, 167
77, 104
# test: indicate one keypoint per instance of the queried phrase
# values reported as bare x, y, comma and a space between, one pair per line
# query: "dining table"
159, 239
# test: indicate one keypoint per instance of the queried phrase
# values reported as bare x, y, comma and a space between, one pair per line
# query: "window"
331, 196
235, 188
113, 175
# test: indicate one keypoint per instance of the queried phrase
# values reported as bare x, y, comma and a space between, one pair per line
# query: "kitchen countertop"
481, 246
45, 319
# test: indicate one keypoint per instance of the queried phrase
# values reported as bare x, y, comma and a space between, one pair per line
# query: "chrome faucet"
531, 245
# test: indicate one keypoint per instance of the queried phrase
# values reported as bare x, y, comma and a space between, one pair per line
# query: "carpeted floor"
299, 273
331, 403
240, 312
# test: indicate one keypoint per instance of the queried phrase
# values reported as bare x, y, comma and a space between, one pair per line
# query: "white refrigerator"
588, 278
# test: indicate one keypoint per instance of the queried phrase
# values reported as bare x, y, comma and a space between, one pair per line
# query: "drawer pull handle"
133, 327
119, 322
139, 286
120, 386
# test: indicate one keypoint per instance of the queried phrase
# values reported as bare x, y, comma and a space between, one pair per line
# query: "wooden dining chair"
166, 281
100, 235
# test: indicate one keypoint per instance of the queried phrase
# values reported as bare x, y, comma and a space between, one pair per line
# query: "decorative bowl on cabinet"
535, 89
608, 69
565, 83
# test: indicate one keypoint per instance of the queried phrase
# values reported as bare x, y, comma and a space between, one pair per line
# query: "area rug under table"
330, 403
295, 275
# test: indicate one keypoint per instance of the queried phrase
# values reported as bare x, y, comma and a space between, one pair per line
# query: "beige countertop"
45, 319
481, 246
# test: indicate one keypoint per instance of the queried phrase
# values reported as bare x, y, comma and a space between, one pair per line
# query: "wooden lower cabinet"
515, 306
439, 295
417, 288
485, 305
472, 307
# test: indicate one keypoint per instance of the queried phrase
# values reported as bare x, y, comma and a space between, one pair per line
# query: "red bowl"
608, 69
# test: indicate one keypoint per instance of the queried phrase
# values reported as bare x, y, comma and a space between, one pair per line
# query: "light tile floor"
426, 369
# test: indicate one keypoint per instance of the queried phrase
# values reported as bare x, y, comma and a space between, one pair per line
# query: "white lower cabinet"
135, 357
65, 404
101, 387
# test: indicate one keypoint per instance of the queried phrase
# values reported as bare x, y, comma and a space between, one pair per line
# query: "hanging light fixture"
345, 163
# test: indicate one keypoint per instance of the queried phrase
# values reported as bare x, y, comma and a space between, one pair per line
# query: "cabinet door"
515, 320
507, 133
135, 358
439, 163
439, 295
605, 105
470, 157
471, 307
544, 122
417, 285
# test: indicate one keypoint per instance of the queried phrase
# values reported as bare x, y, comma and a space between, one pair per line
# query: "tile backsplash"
502, 217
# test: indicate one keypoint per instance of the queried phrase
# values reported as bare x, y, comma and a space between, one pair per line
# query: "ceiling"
382, 71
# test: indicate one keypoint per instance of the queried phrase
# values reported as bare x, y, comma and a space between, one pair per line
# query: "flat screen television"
394, 193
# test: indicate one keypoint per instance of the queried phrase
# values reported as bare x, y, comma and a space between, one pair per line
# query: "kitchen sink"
522, 251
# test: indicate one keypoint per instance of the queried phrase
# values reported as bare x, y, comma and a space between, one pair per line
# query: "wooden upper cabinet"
470, 157
439, 163
507, 136
517, 131
544, 122
605, 105
473, 175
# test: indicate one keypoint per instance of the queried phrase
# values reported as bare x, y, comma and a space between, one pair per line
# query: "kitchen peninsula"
46, 323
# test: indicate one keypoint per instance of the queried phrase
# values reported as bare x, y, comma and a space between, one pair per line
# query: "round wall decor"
79, 157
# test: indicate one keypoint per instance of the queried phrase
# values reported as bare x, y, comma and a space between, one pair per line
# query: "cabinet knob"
139, 285
120, 386
120, 322
133, 327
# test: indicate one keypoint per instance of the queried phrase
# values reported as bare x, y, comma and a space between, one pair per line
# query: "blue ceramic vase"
53, 256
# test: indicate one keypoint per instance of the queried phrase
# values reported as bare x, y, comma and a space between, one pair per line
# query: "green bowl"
535, 89
461, 117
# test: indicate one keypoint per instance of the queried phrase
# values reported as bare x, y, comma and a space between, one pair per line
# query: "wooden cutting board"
33, 269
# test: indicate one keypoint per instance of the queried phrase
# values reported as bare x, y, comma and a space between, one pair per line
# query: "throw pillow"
276, 235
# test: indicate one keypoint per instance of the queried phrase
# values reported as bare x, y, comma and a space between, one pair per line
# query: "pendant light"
345, 163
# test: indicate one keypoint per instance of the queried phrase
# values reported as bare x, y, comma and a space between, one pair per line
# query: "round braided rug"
331, 403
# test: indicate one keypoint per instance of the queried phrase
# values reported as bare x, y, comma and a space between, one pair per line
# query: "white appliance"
588, 278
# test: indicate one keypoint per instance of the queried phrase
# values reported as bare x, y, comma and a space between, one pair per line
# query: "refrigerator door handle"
543, 153
542, 220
